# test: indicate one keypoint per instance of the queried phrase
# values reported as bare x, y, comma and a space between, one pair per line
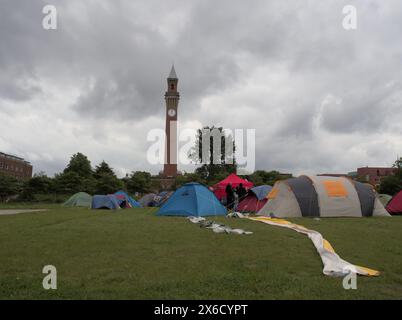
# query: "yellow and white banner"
333, 264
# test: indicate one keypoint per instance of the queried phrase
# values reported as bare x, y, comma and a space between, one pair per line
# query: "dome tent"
255, 199
80, 199
385, 199
322, 196
148, 200
395, 205
161, 198
105, 202
192, 199
124, 199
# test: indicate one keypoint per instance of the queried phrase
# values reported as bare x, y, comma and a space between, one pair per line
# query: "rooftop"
376, 168
13, 157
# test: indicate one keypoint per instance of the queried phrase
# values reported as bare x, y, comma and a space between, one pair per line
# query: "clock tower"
172, 98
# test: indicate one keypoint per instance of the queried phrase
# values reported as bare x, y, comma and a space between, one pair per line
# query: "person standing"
229, 197
241, 192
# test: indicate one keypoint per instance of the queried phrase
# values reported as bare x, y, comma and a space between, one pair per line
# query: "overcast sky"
321, 98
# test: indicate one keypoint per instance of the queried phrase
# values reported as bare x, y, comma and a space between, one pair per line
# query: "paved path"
17, 211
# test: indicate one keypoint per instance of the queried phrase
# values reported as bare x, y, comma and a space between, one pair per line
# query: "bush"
9, 186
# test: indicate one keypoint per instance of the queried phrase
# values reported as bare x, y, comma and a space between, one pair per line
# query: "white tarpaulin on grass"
216, 227
333, 264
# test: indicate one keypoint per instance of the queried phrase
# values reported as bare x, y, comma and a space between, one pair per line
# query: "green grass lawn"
132, 254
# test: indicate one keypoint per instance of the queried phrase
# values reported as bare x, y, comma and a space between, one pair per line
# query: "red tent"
251, 204
395, 205
234, 180
255, 199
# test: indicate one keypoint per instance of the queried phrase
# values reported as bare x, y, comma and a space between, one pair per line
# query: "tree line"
78, 176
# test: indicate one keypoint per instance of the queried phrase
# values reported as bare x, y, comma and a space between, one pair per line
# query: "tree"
40, 183
71, 182
261, 177
67, 182
88, 185
102, 169
139, 181
9, 186
107, 183
392, 184
212, 174
398, 168
80, 165
76, 177
186, 178
215, 151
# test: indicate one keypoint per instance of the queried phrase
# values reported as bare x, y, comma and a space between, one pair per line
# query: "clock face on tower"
171, 112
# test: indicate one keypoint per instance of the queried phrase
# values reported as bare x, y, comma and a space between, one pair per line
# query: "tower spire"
172, 74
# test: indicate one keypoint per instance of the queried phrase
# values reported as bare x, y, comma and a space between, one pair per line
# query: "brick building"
373, 175
15, 166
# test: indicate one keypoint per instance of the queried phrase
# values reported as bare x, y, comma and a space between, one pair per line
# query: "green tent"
80, 199
384, 198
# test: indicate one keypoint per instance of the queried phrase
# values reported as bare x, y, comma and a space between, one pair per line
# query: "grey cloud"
116, 56
367, 110
20, 90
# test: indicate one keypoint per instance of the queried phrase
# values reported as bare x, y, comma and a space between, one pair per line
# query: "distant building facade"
373, 175
15, 166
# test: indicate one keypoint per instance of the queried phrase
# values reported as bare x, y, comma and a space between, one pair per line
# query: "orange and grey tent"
322, 196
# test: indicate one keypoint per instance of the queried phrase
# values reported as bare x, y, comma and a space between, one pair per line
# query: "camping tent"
385, 199
105, 202
125, 200
395, 205
322, 196
220, 188
80, 199
255, 199
192, 199
162, 197
148, 200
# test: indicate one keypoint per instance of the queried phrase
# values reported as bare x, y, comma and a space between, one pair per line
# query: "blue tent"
261, 192
122, 196
192, 199
105, 202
